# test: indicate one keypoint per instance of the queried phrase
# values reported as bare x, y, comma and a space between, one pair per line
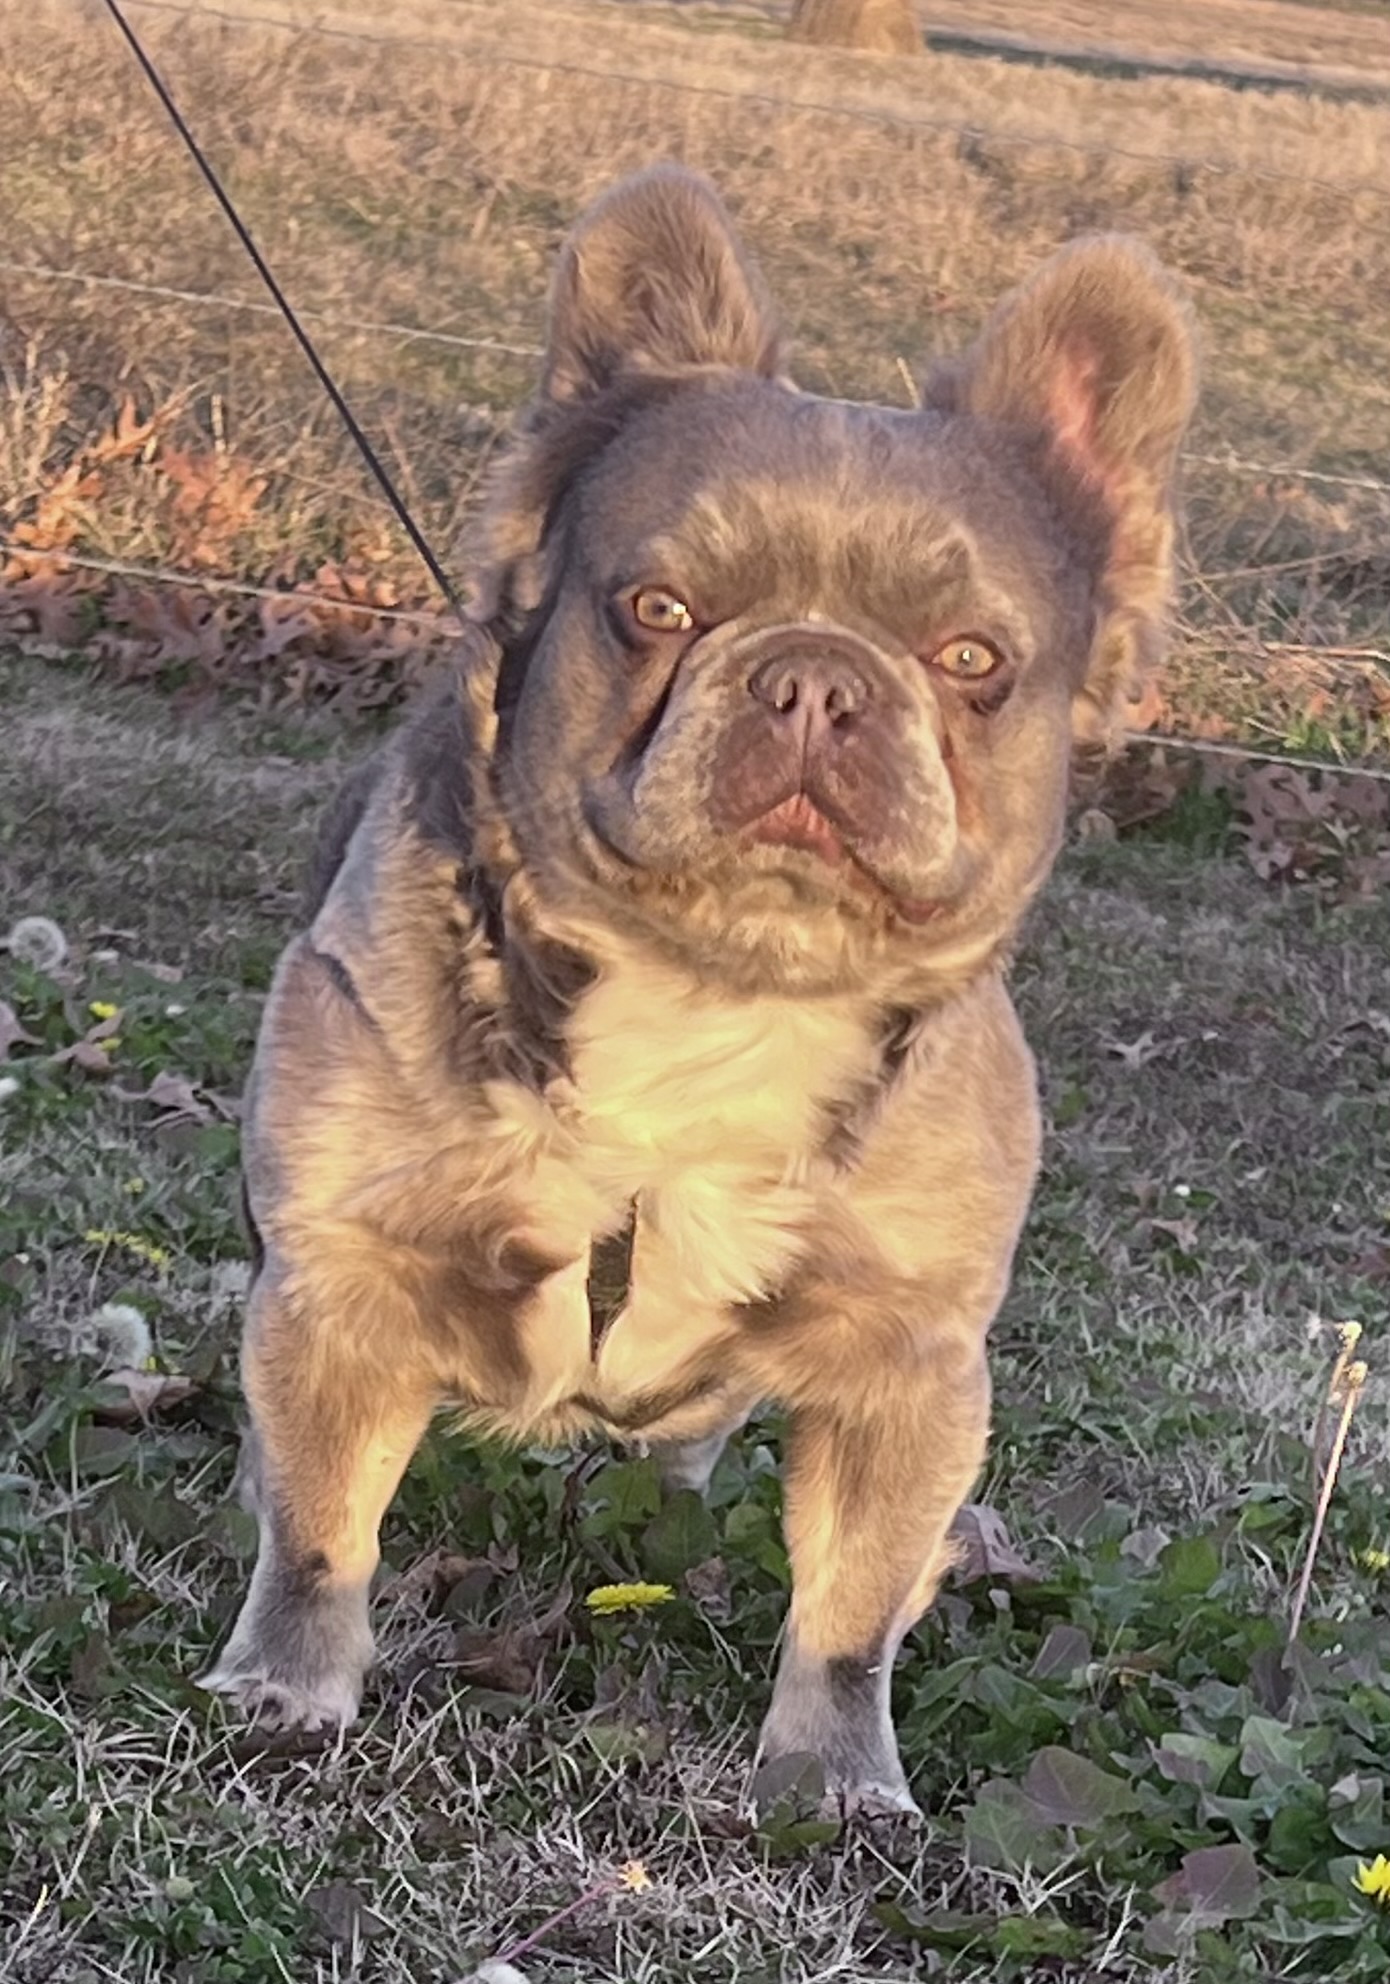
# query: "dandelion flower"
1374, 1560
1374, 1881
627, 1597
129, 1243
102, 1009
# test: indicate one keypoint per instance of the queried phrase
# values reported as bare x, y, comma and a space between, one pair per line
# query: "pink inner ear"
1073, 409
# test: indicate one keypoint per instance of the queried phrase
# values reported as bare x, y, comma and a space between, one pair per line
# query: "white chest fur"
710, 1113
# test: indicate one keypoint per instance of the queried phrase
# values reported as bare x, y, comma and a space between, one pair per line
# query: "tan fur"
557, 980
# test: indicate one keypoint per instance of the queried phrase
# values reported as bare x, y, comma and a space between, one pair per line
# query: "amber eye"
968, 659
661, 612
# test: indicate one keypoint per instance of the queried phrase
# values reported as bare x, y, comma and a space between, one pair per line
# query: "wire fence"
854, 113
1230, 463
438, 622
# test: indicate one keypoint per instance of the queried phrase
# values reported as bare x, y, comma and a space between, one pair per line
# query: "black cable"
368, 453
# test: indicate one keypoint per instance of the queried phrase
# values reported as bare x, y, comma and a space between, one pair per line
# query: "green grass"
1216, 1060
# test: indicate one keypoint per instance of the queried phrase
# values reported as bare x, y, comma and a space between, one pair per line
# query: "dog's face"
791, 685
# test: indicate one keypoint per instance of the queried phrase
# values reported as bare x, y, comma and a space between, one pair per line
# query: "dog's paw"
875, 1802
280, 1706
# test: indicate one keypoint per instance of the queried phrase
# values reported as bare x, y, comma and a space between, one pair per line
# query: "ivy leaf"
680, 1537
1215, 1884
1067, 1790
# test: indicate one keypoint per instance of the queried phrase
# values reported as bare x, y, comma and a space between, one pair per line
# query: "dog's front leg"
872, 1486
338, 1406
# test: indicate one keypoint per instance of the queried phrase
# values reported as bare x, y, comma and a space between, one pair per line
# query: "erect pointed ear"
654, 278
1094, 361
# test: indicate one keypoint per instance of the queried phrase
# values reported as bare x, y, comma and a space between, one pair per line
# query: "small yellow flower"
135, 1186
1374, 1560
102, 1009
627, 1597
634, 1877
110, 1044
1374, 1881
130, 1243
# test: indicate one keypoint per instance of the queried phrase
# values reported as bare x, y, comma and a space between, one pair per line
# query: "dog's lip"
797, 822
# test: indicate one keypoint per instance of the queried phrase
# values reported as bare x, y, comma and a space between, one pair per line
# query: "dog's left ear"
1094, 362
655, 278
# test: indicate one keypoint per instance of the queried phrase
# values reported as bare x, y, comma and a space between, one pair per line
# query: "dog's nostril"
775, 684
831, 685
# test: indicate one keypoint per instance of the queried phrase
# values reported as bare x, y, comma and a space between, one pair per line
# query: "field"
1126, 1777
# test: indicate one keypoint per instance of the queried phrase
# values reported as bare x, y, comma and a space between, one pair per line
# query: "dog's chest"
706, 1120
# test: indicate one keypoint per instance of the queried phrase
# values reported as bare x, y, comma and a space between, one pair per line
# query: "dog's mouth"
797, 822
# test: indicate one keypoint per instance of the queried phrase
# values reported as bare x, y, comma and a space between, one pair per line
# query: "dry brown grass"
429, 186
1290, 37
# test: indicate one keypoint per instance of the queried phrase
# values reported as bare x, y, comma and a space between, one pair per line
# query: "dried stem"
1351, 1378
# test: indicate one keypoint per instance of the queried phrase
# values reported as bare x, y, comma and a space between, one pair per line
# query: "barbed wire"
1231, 463
855, 113
439, 621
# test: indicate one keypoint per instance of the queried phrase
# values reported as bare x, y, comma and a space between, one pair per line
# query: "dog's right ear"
654, 278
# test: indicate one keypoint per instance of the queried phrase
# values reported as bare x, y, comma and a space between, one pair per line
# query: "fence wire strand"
211, 299
438, 622
854, 113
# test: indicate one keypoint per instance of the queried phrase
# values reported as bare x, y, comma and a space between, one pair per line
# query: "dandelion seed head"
37, 941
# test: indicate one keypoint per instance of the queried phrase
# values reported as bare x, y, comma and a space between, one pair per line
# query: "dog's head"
790, 687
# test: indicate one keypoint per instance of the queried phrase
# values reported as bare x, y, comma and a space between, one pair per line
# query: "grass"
1349, 39
430, 185
1124, 1778
1216, 1065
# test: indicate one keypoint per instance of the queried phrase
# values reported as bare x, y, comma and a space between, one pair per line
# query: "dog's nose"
816, 685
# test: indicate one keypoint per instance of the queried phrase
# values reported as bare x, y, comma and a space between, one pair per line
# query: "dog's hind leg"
338, 1405
873, 1483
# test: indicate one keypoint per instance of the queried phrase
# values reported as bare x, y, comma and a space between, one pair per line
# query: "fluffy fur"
701, 928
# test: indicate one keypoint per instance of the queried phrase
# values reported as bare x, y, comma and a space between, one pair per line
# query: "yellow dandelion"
627, 1597
102, 1009
634, 1877
1374, 1881
129, 1243
1374, 1560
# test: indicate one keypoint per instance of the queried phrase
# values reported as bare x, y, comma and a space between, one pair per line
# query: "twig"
1351, 1377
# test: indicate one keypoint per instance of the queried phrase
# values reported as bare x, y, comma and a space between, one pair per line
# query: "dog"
680, 910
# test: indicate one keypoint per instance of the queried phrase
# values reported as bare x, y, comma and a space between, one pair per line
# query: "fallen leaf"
174, 1094
708, 1585
12, 1034
342, 1912
145, 1392
983, 1546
